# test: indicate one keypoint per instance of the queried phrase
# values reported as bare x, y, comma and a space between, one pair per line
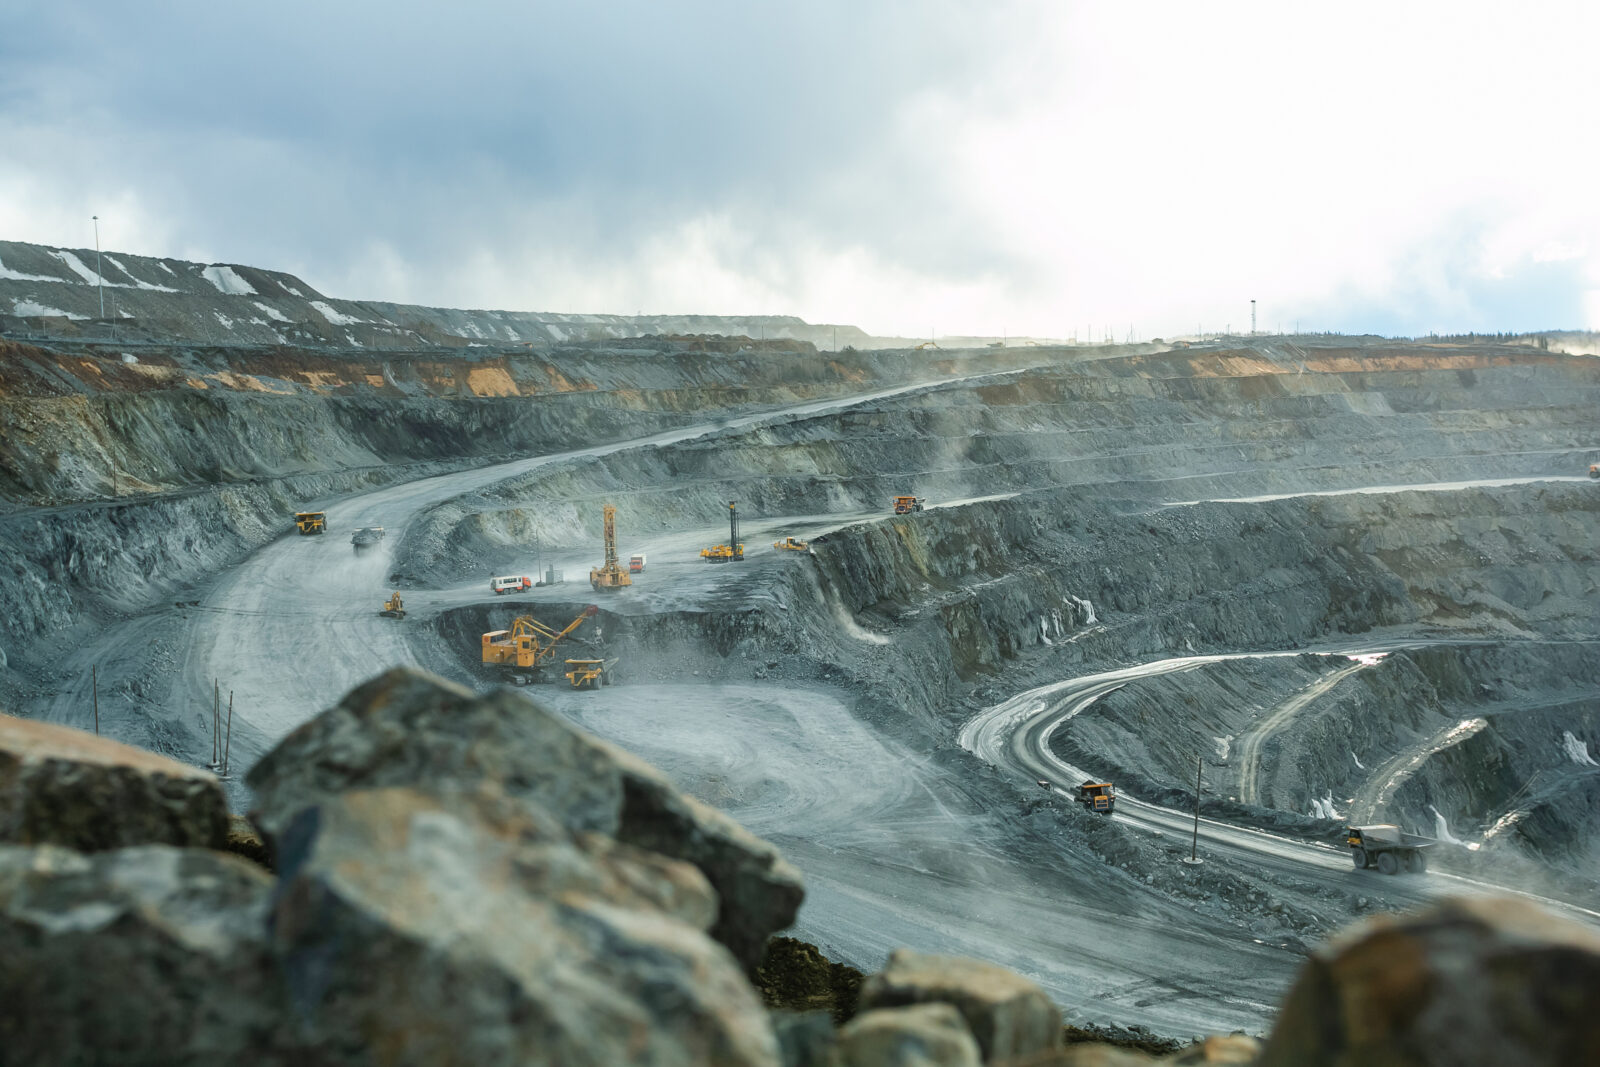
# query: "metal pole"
1194, 845
94, 682
227, 745
216, 700
99, 278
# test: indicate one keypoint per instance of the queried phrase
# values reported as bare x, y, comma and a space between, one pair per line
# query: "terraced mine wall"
1173, 426
126, 482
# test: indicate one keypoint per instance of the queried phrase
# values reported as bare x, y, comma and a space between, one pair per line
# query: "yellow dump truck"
311, 522
590, 673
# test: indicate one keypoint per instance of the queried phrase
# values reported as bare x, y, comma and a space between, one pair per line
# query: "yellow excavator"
529, 644
613, 575
732, 551
394, 607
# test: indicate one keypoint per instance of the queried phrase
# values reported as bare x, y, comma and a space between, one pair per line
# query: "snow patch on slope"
28, 307
137, 282
335, 317
1577, 751
271, 312
18, 276
77, 267
227, 281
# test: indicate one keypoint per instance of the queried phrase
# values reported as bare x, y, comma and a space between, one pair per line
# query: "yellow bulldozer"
789, 544
529, 645
613, 575
311, 522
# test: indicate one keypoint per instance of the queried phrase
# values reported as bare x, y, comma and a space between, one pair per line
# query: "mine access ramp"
1388, 848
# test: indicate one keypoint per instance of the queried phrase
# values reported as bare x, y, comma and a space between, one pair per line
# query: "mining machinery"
789, 544
905, 505
529, 644
393, 608
311, 522
613, 575
732, 551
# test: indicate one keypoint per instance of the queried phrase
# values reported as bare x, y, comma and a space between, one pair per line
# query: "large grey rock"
1477, 980
1009, 1015
405, 728
922, 1035
149, 955
66, 787
471, 929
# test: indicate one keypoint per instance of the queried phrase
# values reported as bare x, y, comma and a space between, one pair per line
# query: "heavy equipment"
366, 537
734, 549
789, 544
393, 608
1594, 470
905, 505
612, 576
1388, 848
590, 673
529, 644
636, 564
1097, 797
311, 522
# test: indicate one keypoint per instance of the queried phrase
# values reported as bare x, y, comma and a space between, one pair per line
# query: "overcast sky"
1047, 168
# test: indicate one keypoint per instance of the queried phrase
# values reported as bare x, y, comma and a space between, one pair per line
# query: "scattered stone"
66, 787
245, 841
406, 728
473, 929
149, 955
1468, 980
1007, 1014
795, 976
919, 1035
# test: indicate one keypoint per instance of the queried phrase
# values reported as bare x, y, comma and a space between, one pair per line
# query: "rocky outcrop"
150, 955
406, 729
65, 787
477, 929
1008, 1015
1469, 980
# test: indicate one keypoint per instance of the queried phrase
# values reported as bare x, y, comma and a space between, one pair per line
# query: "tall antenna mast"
1252, 318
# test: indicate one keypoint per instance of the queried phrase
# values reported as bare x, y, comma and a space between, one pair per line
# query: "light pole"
99, 278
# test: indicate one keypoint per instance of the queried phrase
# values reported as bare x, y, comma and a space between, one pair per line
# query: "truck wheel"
1387, 863
1359, 856
1417, 863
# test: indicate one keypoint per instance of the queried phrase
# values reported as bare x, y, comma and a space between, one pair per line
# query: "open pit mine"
392, 684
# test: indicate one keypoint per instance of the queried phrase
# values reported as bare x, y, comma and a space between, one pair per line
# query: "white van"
511, 583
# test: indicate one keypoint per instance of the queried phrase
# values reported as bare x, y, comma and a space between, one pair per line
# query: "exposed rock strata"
65, 787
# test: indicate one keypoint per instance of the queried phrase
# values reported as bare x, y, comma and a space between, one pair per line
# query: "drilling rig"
734, 549
613, 575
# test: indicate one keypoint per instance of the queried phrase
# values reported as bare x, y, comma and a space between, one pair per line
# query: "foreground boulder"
1489, 980
149, 955
66, 787
413, 730
1008, 1015
410, 928
921, 1035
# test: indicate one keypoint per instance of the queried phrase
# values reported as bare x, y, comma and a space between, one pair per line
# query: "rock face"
149, 955
469, 930
66, 787
1008, 1015
921, 1035
1474, 980
407, 729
